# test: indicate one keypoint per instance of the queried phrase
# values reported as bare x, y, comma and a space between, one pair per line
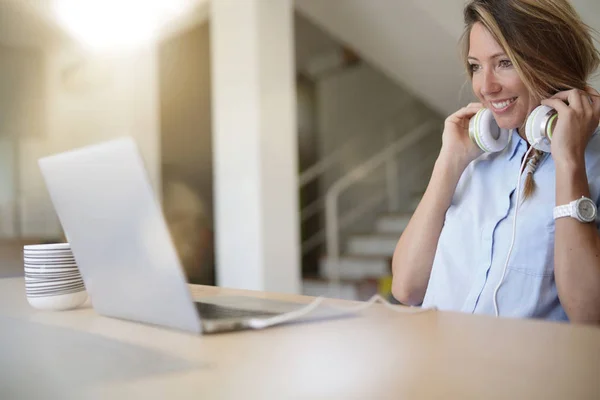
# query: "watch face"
586, 209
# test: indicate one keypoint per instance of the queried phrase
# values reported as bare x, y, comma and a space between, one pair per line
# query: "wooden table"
378, 355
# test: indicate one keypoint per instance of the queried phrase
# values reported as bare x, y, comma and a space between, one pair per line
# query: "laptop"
115, 225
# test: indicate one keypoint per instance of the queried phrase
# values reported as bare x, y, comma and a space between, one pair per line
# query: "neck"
521, 132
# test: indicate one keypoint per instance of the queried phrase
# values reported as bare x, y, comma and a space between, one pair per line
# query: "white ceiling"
311, 41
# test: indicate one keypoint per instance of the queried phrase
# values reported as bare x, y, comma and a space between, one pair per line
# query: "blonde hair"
549, 45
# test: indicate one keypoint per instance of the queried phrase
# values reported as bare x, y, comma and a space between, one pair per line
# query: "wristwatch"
583, 210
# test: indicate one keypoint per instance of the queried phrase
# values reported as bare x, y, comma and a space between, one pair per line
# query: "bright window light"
116, 24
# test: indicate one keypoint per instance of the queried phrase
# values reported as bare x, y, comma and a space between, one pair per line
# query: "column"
254, 139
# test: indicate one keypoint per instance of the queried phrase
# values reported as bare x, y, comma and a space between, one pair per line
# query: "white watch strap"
562, 211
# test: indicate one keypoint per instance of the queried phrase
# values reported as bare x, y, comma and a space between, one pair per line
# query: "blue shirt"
475, 239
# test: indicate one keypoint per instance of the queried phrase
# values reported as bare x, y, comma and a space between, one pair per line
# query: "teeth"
503, 104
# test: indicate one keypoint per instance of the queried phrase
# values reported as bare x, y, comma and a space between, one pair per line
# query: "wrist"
447, 172
451, 162
444, 179
569, 161
571, 180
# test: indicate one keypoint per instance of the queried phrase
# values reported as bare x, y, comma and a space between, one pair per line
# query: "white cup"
52, 280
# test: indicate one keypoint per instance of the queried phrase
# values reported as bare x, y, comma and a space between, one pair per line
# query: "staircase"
368, 255
366, 262
365, 210
374, 144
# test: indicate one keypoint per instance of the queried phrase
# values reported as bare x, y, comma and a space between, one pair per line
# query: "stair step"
355, 267
373, 244
392, 223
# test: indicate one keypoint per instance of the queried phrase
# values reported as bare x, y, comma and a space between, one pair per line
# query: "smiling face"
496, 81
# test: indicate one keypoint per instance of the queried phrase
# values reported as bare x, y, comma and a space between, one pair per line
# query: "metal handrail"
345, 221
318, 168
358, 173
323, 165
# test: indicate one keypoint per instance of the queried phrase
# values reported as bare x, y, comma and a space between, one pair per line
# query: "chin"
509, 123
508, 126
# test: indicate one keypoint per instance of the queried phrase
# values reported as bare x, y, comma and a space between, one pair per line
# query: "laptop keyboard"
213, 311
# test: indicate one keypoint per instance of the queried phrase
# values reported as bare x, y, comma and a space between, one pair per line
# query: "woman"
452, 255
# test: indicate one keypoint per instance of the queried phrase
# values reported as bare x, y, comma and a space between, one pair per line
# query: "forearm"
576, 249
415, 251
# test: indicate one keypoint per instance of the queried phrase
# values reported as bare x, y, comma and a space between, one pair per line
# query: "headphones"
489, 137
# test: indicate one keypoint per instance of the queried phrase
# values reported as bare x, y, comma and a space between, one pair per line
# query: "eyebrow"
502, 54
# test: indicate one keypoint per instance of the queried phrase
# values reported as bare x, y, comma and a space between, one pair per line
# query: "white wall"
185, 97
21, 117
356, 101
7, 187
186, 149
21, 91
89, 101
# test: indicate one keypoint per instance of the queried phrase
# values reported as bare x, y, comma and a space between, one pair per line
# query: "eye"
505, 63
473, 67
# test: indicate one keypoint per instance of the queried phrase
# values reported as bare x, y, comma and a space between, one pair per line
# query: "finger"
586, 103
580, 101
557, 104
594, 96
466, 112
564, 96
574, 100
469, 110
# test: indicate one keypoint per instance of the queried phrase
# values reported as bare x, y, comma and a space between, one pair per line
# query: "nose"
490, 84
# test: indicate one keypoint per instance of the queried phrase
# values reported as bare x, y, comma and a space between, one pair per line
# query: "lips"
502, 105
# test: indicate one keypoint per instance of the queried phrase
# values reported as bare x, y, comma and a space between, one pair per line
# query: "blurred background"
367, 85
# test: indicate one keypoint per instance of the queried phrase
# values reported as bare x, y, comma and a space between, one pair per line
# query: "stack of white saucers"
52, 279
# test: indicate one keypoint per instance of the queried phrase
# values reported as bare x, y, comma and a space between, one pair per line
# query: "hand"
456, 142
578, 118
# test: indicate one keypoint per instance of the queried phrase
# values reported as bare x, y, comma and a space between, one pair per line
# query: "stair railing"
386, 157
325, 164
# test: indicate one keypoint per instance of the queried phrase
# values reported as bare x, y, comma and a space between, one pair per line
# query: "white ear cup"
538, 128
486, 134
